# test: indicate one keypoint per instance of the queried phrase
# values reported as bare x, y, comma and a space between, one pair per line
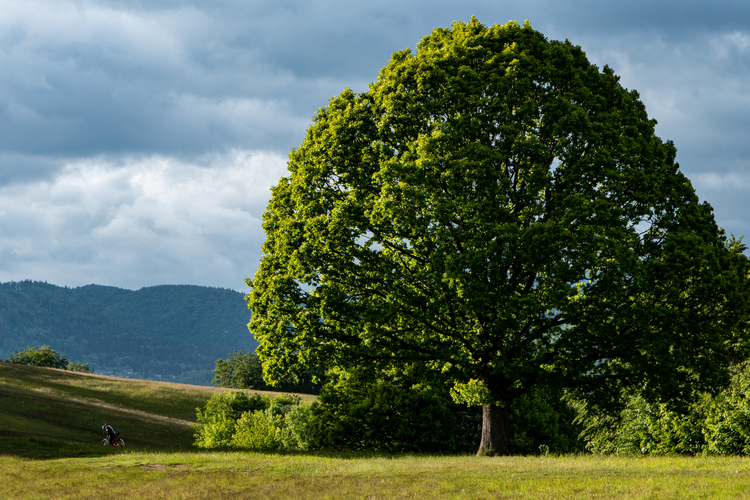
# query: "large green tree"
497, 208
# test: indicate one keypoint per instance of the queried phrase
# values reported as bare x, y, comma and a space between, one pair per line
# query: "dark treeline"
176, 331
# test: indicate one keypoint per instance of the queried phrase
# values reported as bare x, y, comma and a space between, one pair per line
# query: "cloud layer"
138, 140
139, 221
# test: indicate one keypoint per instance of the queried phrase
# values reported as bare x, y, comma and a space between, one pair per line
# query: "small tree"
39, 356
79, 367
245, 371
239, 371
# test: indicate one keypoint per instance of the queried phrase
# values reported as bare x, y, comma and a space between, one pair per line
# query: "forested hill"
176, 331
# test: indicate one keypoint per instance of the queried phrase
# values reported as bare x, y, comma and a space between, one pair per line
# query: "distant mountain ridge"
175, 331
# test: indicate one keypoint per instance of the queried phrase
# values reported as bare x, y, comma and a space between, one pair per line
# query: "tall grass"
253, 475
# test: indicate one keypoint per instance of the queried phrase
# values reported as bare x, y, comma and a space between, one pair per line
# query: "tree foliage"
79, 367
499, 210
39, 356
717, 424
245, 371
239, 371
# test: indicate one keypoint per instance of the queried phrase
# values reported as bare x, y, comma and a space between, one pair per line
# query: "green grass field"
50, 429
48, 413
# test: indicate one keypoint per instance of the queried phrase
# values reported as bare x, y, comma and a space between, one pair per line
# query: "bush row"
355, 413
717, 425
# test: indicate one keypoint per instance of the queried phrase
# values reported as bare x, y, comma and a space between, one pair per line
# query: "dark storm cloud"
97, 80
91, 78
131, 128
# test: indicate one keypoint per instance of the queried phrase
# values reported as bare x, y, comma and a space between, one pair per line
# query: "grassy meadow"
48, 413
50, 429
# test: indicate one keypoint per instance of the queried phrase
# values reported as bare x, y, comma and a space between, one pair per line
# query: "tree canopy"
500, 210
40, 356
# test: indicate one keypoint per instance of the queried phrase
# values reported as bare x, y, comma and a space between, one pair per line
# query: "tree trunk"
495, 437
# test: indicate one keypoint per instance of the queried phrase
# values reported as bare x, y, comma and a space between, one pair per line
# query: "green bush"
646, 428
217, 420
356, 412
232, 405
727, 424
268, 429
542, 421
360, 414
713, 425
258, 430
295, 434
215, 433
39, 356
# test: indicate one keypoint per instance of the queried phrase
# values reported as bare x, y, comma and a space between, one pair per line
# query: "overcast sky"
139, 139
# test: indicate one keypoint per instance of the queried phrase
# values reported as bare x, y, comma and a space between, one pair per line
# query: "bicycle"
118, 442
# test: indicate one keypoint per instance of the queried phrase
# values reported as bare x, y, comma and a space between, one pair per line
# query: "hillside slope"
49, 412
46, 412
169, 332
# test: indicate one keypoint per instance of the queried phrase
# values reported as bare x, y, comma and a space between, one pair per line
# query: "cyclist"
111, 434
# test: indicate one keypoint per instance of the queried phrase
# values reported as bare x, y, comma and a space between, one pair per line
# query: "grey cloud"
110, 109
139, 221
15, 168
107, 77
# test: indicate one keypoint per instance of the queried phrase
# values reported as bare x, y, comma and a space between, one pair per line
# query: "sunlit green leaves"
498, 205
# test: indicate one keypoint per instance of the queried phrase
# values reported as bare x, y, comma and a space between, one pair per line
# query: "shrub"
39, 356
356, 412
542, 421
727, 425
232, 405
79, 367
714, 424
215, 433
258, 430
217, 420
295, 435
646, 428
269, 429
359, 414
